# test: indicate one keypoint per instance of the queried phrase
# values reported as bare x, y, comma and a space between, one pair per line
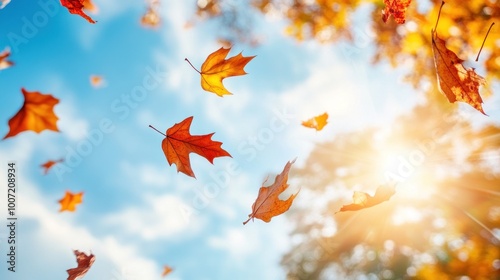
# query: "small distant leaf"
166, 270
216, 68
179, 143
317, 122
363, 200
396, 8
96, 81
84, 264
48, 165
76, 7
4, 63
152, 17
70, 200
4, 3
268, 204
36, 114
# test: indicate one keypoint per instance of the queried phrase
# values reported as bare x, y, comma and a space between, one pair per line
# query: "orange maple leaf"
36, 114
152, 17
317, 122
48, 165
75, 7
268, 204
216, 68
70, 200
397, 8
454, 81
4, 63
166, 270
179, 143
363, 200
84, 264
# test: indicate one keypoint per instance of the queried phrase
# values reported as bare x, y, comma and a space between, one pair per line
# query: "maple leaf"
268, 204
4, 63
455, 81
179, 143
216, 68
70, 200
363, 200
396, 8
84, 264
75, 7
36, 114
317, 122
48, 165
166, 270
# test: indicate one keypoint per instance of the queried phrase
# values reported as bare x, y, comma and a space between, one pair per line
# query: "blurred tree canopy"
444, 220
463, 24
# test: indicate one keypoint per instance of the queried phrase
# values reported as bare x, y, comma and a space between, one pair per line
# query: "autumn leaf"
317, 122
70, 200
216, 68
84, 264
179, 143
75, 7
4, 63
396, 8
166, 270
363, 200
152, 17
48, 165
36, 114
96, 81
268, 204
455, 82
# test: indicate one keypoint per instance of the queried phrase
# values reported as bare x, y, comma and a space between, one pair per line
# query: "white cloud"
70, 124
236, 241
146, 174
160, 217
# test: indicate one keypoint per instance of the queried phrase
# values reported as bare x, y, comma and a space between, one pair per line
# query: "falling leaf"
48, 165
216, 68
84, 264
4, 3
70, 200
363, 200
152, 17
36, 114
4, 63
396, 8
96, 81
317, 122
268, 204
75, 7
179, 143
166, 270
455, 82
88, 5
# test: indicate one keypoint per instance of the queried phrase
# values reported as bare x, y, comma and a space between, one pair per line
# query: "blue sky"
138, 213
